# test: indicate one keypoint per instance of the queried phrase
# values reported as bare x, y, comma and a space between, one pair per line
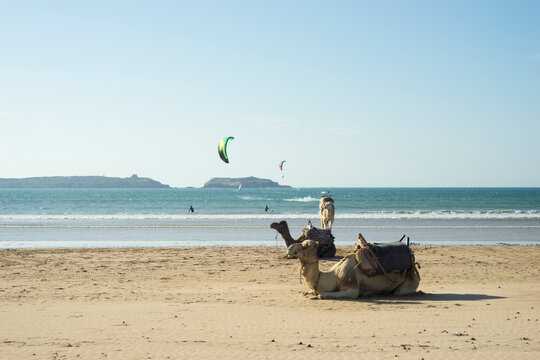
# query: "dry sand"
232, 303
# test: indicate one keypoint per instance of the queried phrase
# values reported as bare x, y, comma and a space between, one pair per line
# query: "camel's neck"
286, 235
310, 271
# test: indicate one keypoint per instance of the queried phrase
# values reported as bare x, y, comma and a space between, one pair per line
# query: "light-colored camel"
326, 210
345, 279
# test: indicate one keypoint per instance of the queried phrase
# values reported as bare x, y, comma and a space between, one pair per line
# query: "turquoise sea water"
37, 218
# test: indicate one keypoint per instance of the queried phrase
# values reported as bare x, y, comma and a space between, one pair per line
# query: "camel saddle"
325, 239
383, 258
393, 256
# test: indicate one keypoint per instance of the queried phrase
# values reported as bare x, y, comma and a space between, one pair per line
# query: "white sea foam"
128, 217
302, 199
254, 198
380, 215
443, 214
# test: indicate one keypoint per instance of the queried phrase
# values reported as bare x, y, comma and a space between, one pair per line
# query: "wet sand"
233, 303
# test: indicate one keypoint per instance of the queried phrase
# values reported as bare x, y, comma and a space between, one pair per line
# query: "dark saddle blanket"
325, 239
320, 235
393, 256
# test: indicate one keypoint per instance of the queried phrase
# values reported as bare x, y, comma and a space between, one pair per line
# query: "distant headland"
80, 182
247, 182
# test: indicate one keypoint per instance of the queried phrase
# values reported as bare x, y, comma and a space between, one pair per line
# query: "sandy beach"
230, 303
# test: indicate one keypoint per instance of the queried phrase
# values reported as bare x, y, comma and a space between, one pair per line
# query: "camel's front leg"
343, 294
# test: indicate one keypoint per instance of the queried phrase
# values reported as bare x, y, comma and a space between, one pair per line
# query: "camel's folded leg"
408, 287
343, 294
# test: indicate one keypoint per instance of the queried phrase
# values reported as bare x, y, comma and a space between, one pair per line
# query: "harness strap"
366, 246
350, 272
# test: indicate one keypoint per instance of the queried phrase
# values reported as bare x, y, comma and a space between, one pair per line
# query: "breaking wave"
303, 199
375, 215
249, 198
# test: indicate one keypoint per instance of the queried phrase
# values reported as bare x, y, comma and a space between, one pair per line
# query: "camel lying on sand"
345, 279
326, 209
325, 238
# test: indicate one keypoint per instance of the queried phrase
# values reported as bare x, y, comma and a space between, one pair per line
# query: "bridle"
303, 266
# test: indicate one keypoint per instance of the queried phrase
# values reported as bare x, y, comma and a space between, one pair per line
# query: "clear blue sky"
350, 93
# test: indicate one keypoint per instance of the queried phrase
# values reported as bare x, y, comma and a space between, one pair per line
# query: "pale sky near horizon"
349, 93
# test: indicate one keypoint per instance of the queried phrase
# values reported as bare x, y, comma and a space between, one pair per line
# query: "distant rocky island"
247, 182
86, 182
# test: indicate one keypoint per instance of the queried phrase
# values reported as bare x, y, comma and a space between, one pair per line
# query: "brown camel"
324, 238
283, 229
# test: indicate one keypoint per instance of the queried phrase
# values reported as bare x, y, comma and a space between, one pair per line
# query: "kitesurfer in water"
266, 208
191, 209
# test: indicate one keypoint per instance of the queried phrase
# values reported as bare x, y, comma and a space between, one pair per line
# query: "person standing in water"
266, 208
191, 209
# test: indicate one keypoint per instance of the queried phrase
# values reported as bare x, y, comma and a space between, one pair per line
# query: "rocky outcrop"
247, 182
87, 182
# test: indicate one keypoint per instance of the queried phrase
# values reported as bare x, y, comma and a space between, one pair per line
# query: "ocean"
80, 218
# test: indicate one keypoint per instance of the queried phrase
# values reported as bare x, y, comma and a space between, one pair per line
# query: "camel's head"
325, 199
279, 226
307, 249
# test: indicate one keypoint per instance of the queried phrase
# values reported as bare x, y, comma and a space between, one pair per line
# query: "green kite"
222, 148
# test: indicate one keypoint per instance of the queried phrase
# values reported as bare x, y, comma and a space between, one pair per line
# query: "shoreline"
248, 302
103, 234
240, 246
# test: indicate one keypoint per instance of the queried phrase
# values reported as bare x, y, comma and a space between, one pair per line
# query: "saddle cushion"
393, 256
325, 239
366, 261
320, 235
